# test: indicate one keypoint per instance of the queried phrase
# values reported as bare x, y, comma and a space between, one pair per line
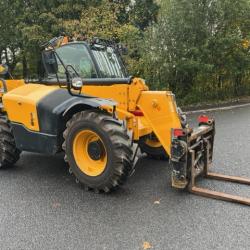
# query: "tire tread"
120, 140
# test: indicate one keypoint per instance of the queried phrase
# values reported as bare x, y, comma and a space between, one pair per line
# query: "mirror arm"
66, 70
68, 82
68, 77
70, 66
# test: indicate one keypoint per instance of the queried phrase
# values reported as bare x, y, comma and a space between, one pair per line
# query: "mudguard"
58, 106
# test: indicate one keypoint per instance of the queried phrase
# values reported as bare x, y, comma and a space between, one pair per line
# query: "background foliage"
200, 49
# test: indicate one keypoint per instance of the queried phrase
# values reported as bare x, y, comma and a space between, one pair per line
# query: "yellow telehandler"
89, 107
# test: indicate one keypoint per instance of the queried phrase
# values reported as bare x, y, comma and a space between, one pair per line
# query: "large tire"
112, 150
152, 147
9, 154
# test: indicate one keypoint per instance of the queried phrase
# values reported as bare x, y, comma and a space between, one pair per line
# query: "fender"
57, 107
87, 103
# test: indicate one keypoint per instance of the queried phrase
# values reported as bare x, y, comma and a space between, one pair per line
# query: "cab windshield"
107, 63
78, 57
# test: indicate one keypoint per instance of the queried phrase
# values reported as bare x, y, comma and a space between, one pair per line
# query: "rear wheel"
98, 150
9, 154
153, 148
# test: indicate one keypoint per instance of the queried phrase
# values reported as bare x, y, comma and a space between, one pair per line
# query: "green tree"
9, 35
196, 49
143, 13
28, 24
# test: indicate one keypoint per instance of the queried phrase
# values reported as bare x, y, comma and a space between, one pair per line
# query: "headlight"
77, 83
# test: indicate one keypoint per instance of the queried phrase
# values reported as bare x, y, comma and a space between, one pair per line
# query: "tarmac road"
41, 207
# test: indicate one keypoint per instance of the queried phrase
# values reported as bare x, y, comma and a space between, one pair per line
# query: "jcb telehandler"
88, 107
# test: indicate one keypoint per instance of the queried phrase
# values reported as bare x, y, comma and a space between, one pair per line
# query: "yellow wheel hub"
153, 143
89, 153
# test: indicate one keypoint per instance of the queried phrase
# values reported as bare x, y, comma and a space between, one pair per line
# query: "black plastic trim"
27, 140
88, 82
55, 105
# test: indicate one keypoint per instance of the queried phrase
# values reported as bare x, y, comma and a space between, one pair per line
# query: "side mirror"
77, 83
50, 62
4, 69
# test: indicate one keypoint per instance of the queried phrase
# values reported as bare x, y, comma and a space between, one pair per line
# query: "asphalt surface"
41, 207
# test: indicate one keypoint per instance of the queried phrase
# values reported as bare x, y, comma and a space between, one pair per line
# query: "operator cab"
89, 61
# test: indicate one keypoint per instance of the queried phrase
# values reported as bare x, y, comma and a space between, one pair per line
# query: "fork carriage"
196, 160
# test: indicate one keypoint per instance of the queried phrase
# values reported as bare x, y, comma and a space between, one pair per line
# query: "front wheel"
98, 150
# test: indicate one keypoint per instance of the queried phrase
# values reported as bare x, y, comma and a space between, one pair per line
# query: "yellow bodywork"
11, 84
2, 68
20, 104
158, 109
